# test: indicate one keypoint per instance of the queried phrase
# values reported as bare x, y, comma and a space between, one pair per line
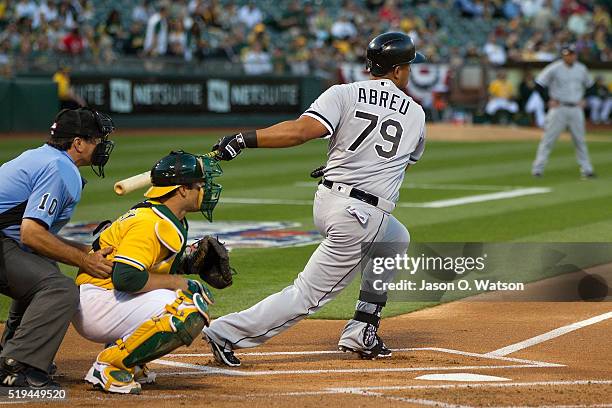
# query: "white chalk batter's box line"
376, 392
197, 369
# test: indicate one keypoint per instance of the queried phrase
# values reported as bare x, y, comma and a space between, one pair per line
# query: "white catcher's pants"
107, 315
332, 266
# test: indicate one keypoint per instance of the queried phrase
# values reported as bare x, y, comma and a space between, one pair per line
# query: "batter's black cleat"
16, 374
378, 351
223, 356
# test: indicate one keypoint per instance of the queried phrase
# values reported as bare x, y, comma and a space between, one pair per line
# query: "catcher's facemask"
181, 168
212, 190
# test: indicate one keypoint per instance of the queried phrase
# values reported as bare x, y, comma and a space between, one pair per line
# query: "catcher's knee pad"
180, 325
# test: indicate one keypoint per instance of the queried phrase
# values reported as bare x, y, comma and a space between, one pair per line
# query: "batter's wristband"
250, 138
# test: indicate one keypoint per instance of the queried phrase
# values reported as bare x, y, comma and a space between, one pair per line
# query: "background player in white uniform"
377, 131
566, 80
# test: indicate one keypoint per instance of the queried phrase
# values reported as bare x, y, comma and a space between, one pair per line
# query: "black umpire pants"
44, 302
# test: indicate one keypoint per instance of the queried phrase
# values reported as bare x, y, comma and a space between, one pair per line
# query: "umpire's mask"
88, 124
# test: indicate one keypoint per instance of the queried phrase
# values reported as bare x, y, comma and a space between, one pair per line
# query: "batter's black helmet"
389, 50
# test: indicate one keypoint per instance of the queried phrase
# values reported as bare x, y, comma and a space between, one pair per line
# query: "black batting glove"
229, 147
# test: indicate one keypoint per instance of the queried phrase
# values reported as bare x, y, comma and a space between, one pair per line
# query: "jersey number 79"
394, 138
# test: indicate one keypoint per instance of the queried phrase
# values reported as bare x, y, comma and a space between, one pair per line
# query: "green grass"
575, 210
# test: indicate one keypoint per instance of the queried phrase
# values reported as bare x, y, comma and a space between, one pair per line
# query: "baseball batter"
146, 309
376, 131
566, 81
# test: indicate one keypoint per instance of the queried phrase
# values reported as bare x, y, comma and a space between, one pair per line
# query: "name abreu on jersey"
382, 98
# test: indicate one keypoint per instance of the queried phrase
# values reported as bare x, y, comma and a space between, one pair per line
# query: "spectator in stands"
29, 9
114, 28
512, 9
141, 12
530, 100
156, 37
513, 49
134, 44
73, 43
390, 13
496, 54
411, 23
85, 12
299, 57
579, 22
105, 49
501, 92
470, 8
599, 101
208, 14
256, 61
601, 42
177, 39
67, 97
194, 43
55, 33
294, 16
260, 35
4, 13
544, 17
374, 5
66, 16
343, 29
250, 15
5, 61
11, 36
48, 10
320, 25
601, 17
529, 8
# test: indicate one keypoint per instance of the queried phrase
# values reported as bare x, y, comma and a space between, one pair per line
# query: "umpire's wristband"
250, 138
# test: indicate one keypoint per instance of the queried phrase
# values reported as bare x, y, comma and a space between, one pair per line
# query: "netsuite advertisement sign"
189, 95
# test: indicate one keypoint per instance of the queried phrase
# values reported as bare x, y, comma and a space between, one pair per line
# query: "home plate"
460, 377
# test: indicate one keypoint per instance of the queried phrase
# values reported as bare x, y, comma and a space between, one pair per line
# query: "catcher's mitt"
209, 258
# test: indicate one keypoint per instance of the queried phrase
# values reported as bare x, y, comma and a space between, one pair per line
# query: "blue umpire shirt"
43, 184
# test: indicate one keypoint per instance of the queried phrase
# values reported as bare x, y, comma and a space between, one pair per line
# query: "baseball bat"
125, 186
130, 184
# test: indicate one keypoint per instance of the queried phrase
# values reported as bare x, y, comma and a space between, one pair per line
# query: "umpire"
38, 194
566, 81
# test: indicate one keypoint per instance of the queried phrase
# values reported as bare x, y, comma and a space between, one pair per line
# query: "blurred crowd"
297, 36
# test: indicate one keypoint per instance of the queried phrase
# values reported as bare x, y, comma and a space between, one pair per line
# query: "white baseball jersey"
565, 83
376, 131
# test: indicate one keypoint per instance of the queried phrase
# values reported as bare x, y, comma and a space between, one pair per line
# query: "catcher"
147, 309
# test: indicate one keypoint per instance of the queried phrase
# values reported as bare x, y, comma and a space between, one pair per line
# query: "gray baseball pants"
44, 301
557, 120
346, 223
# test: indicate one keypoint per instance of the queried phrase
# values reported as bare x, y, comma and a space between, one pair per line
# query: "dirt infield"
302, 368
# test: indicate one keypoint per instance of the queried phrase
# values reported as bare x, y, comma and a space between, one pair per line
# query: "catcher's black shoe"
16, 374
379, 350
223, 356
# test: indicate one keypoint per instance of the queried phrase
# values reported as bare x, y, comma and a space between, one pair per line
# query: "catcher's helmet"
181, 168
389, 50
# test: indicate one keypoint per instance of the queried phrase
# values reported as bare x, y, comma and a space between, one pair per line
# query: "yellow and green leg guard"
179, 326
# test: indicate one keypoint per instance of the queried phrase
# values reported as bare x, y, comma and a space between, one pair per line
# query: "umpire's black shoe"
223, 356
16, 374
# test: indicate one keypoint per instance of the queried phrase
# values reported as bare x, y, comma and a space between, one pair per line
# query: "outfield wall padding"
27, 104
